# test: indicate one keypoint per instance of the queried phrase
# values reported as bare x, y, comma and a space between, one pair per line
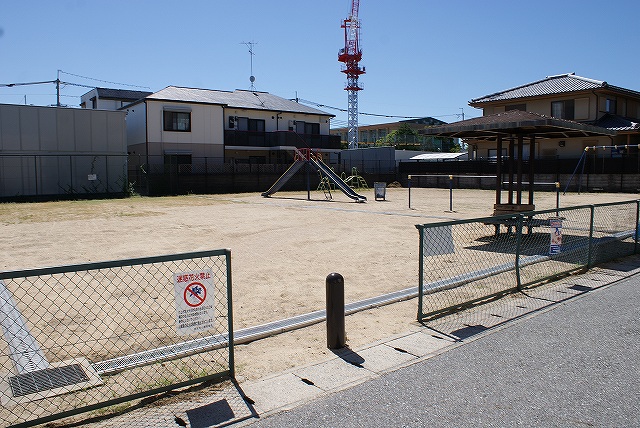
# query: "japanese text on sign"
194, 301
555, 245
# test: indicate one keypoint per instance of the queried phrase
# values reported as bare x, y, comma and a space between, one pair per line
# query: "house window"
312, 128
521, 107
246, 124
611, 106
94, 103
563, 109
255, 125
177, 121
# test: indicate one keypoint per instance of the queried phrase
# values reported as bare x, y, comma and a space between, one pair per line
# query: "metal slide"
295, 167
337, 180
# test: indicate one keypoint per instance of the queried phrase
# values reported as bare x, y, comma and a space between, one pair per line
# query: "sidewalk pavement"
264, 401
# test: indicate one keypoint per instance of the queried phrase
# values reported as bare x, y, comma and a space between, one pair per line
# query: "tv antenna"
251, 54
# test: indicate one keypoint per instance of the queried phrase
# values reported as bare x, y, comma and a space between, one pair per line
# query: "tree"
403, 136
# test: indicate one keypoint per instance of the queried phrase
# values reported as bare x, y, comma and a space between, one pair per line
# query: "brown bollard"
335, 311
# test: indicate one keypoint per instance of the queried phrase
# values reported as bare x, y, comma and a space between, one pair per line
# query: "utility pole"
58, 90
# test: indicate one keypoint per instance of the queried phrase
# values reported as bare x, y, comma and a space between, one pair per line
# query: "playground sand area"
282, 247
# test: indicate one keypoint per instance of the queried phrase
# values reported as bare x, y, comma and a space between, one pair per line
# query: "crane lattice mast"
351, 55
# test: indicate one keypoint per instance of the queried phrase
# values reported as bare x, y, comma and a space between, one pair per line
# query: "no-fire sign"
194, 301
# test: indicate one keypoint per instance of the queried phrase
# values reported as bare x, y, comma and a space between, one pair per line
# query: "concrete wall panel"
66, 131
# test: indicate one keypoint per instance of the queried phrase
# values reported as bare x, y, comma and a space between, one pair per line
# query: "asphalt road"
574, 365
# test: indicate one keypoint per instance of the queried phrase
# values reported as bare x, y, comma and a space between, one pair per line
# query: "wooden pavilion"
510, 130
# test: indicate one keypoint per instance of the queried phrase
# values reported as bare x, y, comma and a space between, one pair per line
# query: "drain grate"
43, 380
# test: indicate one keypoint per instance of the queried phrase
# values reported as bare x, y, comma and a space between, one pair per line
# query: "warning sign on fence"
556, 236
194, 301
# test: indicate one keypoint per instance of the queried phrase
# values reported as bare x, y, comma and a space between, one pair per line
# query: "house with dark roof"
110, 99
573, 99
192, 129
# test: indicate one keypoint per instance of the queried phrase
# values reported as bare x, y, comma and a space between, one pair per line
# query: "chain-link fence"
466, 262
80, 338
72, 175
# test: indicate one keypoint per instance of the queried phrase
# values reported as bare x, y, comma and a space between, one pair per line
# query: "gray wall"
378, 159
47, 151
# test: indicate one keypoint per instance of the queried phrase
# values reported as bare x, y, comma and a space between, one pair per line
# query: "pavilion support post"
499, 170
511, 161
520, 153
532, 158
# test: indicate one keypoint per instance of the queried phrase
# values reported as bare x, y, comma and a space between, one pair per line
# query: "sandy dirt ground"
283, 248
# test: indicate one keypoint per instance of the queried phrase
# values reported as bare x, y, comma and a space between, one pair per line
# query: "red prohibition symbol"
195, 294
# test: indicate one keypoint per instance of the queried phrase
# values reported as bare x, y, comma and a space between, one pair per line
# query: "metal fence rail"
82, 337
465, 262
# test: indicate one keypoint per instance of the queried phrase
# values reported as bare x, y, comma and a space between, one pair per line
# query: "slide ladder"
339, 182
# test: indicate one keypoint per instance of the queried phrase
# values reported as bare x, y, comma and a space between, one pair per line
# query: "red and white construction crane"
351, 55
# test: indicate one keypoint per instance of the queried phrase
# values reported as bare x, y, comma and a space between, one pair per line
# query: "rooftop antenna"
251, 54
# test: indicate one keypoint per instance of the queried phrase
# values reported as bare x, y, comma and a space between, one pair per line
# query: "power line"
103, 81
371, 114
10, 85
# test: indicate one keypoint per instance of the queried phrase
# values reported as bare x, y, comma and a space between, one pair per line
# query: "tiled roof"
552, 85
514, 122
617, 123
237, 99
122, 94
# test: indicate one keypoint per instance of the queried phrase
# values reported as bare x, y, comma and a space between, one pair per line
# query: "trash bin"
380, 190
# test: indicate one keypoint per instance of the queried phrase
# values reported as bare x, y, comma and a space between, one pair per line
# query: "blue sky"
423, 57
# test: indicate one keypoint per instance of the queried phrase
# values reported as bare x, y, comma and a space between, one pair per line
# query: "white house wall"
207, 129
137, 126
584, 108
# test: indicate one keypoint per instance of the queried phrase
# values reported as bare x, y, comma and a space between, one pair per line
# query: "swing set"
582, 161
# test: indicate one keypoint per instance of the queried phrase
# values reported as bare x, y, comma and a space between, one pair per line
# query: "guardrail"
465, 262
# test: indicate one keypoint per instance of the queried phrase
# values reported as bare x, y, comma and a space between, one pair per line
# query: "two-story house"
572, 98
198, 128
110, 99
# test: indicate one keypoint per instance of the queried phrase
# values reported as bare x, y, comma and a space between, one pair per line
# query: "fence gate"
78, 338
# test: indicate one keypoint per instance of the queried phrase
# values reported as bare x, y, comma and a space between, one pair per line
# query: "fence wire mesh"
79, 338
464, 262
540, 259
614, 231
467, 262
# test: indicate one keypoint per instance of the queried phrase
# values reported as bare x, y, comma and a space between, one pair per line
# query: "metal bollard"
335, 311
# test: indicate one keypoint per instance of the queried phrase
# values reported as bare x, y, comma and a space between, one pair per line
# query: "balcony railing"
280, 138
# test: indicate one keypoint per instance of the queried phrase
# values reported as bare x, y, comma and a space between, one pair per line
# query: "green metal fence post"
232, 369
635, 246
557, 199
518, 244
451, 193
420, 272
591, 226
409, 185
